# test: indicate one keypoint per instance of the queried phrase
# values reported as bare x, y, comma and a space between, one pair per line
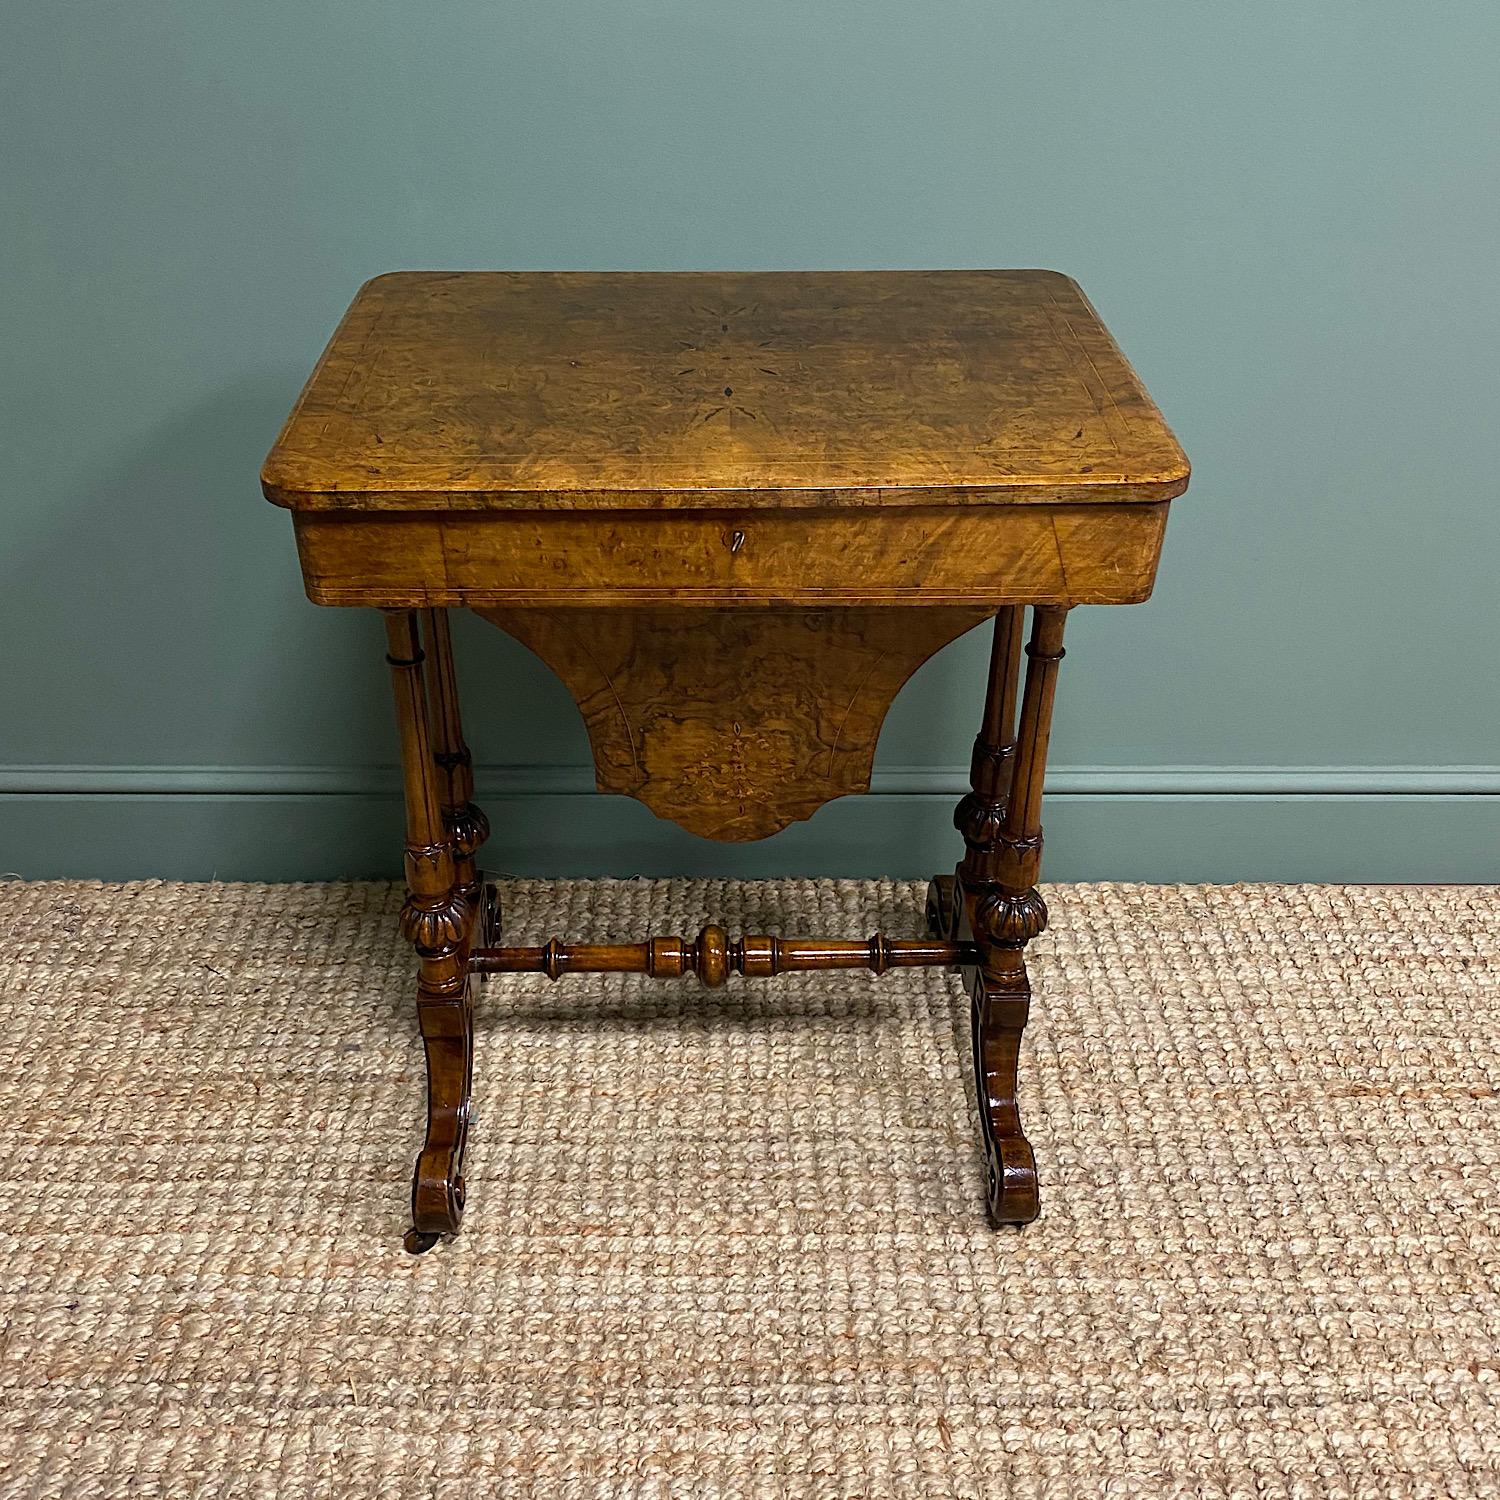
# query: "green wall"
1288, 213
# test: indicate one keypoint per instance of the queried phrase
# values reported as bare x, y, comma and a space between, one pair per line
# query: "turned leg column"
994, 896
465, 822
1011, 911
435, 920
980, 815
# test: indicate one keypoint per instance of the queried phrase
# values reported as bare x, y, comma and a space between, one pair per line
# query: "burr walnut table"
734, 513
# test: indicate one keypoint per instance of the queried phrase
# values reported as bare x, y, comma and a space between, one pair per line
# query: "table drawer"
979, 554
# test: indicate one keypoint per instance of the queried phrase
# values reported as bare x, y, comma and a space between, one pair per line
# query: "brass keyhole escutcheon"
736, 540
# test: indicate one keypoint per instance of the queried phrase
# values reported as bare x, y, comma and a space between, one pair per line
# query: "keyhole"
736, 541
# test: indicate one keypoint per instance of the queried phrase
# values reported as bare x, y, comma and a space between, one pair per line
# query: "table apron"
919, 555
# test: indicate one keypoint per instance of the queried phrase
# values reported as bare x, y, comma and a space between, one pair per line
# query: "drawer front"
1054, 554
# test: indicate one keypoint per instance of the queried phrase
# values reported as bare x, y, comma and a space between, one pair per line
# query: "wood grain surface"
927, 555
733, 512
734, 723
495, 389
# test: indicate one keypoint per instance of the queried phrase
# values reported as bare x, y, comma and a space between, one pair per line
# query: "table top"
533, 390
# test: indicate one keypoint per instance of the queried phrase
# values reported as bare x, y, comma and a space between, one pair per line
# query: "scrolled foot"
447, 1021
940, 906
489, 915
999, 1008
1011, 1186
437, 1198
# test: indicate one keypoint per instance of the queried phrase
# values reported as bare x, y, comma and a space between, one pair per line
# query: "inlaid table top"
499, 390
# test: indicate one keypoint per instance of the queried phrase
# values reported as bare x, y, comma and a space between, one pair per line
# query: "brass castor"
419, 1241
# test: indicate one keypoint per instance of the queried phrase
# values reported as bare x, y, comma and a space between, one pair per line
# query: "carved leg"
995, 900
436, 920
466, 825
979, 815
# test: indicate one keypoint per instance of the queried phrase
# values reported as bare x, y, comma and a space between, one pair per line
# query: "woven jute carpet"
732, 1243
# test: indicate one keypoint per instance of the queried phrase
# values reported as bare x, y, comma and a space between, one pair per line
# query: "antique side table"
733, 512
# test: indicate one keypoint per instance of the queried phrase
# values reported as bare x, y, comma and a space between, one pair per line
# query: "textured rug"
732, 1243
